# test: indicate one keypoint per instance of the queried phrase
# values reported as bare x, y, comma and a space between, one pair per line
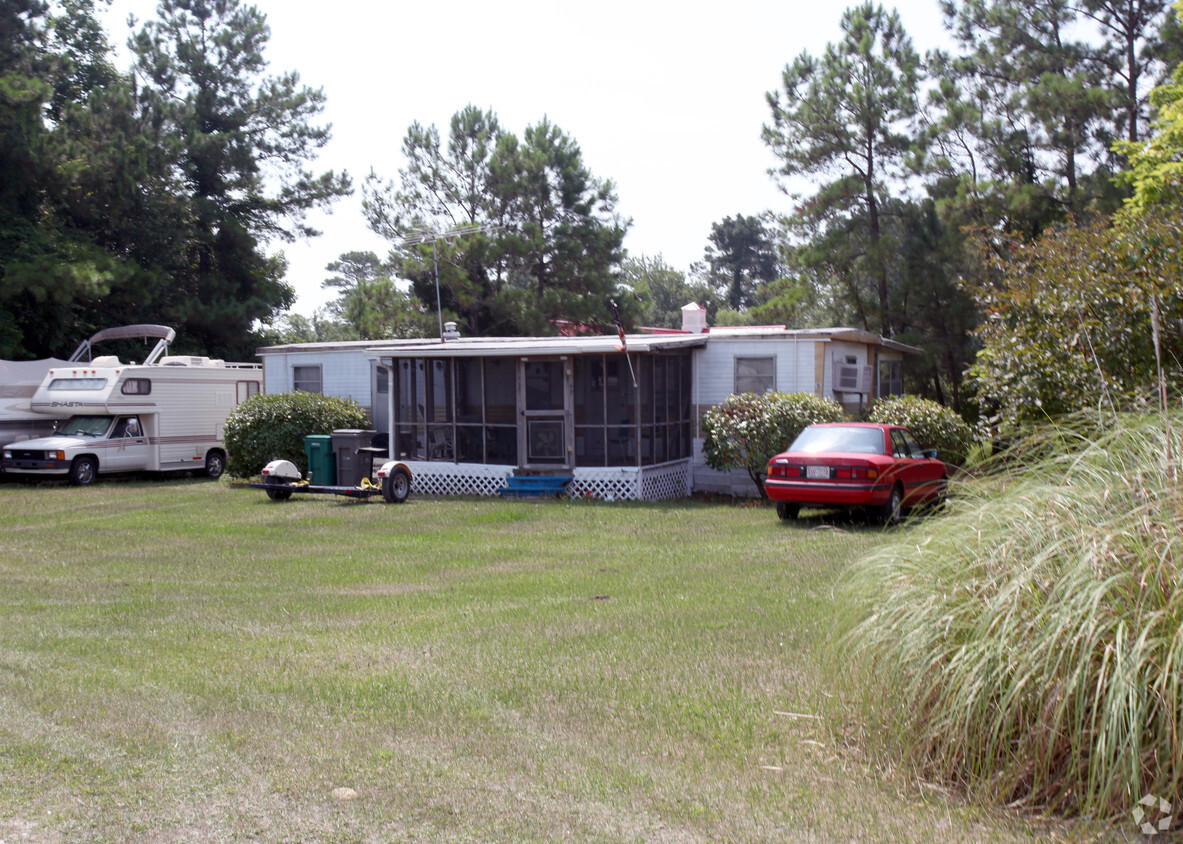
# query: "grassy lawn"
189, 661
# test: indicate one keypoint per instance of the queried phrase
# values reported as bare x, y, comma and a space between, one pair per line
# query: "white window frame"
744, 382
301, 377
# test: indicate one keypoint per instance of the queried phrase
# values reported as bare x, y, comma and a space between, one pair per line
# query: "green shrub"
1028, 646
272, 427
748, 430
933, 425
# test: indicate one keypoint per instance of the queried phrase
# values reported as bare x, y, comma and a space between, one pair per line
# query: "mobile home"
622, 423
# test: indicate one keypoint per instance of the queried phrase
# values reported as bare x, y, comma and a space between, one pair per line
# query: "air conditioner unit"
851, 378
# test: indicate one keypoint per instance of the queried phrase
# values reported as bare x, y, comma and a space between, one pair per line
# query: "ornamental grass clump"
1028, 646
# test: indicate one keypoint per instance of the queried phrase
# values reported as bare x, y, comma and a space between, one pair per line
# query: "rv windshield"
85, 426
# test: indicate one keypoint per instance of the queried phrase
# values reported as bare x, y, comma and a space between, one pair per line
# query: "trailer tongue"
281, 478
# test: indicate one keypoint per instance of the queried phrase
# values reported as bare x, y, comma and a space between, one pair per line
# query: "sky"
665, 101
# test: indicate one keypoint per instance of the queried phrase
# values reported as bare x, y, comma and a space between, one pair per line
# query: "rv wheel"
215, 465
83, 471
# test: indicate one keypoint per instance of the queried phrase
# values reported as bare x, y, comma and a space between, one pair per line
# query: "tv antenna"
423, 234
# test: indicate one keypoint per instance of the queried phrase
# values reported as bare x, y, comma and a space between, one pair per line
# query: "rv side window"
307, 378
77, 384
755, 375
137, 387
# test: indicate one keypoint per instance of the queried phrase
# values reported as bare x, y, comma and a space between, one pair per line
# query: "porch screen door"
546, 393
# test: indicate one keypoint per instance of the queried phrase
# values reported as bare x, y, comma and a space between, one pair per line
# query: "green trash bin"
322, 465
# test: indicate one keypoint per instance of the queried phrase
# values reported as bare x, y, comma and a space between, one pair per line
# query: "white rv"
19, 379
160, 417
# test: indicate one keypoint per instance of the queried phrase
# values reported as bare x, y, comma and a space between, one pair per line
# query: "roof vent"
450, 332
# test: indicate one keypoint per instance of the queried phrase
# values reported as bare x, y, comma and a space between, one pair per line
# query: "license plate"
818, 473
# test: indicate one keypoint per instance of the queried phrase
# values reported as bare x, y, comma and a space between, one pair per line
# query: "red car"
879, 468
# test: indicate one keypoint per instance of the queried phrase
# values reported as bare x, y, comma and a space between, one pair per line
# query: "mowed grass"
183, 660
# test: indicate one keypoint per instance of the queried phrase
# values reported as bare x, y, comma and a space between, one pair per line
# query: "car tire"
893, 511
787, 511
215, 464
84, 471
397, 486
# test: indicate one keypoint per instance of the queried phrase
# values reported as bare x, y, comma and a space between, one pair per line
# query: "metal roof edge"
510, 346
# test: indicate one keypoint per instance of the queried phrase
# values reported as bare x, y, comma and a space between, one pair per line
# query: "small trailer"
281, 479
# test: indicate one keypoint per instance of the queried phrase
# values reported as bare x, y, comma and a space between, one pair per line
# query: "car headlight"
7, 454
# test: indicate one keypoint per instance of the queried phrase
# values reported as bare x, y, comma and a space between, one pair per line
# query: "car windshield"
85, 426
848, 439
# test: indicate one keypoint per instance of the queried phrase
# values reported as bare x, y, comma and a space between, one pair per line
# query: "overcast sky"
666, 102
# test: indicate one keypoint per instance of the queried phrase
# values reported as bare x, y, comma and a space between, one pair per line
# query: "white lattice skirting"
457, 478
629, 483
617, 483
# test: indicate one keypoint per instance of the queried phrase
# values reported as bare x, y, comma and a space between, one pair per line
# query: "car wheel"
787, 511
396, 487
84, 471
892, 511
215, 465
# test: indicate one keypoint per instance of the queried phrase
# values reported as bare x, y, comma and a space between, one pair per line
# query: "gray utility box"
352, 467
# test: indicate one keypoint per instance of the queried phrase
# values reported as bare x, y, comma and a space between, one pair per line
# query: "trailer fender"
395, 480
281, 471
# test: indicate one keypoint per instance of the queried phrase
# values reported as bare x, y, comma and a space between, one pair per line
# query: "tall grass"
1029, 646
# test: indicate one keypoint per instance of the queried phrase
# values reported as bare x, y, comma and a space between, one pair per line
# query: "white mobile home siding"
714, 380
345, 373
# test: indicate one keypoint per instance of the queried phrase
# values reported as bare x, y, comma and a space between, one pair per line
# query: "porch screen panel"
470, 411
620, 413
440, 433
589, 410
501, 425
409, 429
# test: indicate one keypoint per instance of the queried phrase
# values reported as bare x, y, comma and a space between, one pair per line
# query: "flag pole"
622, 345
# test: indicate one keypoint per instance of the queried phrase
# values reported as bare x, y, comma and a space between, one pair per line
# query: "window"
307, 378
891, 378
77, 384
755, 375
136, 387
246, 389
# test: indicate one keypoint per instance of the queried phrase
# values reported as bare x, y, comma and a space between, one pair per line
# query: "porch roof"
468, 347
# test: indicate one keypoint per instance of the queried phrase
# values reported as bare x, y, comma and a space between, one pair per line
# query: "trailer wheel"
279, 494
215, 464
83, 471
396, 487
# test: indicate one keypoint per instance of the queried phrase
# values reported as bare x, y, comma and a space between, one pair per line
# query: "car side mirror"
931, 453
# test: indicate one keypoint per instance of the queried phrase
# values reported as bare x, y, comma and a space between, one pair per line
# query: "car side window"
899, 447
913, 446
127, 427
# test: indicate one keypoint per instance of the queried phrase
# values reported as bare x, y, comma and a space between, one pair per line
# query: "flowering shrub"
272, 427
748, 430
933, 425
